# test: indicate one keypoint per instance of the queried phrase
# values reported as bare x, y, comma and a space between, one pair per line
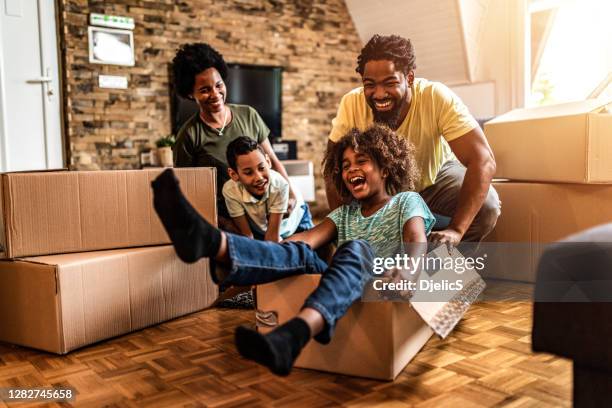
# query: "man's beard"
389, 118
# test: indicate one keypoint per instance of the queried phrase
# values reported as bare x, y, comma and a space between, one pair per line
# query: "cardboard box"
535, 214
62, 302
76, 211
570, 142
374, 339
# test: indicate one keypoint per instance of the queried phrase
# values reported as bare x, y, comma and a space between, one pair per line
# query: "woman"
199, 74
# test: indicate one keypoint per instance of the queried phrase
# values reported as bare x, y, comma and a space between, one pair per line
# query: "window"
571, 50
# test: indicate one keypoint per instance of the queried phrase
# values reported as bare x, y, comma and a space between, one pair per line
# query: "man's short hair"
239, 146
388, 47
190, 60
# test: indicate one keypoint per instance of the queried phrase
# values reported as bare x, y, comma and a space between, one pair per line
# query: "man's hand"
449, 236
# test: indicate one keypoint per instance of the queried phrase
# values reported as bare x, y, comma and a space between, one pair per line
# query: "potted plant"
164, 150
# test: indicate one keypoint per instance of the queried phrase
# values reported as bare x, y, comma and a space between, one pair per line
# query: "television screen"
254, 85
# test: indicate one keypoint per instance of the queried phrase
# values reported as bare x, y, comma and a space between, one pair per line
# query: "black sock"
276, 350
192, 236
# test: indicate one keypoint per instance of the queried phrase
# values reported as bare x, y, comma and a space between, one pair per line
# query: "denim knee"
359, 246
351, 267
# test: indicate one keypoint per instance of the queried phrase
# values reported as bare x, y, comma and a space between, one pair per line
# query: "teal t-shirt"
383, 230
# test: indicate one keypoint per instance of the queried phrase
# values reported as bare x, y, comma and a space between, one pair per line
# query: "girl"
368, 166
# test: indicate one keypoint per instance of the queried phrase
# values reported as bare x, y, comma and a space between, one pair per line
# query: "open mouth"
216, 103
383, 105
357, 182
261, 185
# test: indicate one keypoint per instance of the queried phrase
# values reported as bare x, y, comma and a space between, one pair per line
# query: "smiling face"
209, 91
361, 175
387, 92
253, 171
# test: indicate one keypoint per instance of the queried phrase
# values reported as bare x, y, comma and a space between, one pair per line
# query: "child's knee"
357, 247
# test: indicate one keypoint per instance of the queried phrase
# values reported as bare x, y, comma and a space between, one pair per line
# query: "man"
452, 153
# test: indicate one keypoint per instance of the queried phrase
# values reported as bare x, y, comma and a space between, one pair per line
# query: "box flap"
60, 169
3, 234
92, 256
552, 111
95, 302
600, 146
32, 199
29, 307
443, 309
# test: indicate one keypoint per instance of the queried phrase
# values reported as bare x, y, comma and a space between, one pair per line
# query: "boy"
257, 196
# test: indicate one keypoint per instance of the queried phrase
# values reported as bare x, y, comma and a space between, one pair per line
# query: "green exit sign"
105, 20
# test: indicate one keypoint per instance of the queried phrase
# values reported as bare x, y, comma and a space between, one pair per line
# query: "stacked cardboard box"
558, 164
87, 257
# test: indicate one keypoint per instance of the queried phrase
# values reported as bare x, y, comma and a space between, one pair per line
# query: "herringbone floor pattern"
192, 362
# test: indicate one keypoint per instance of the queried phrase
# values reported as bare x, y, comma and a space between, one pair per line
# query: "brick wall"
314, 41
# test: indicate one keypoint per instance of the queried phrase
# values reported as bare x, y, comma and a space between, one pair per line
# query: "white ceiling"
434, 27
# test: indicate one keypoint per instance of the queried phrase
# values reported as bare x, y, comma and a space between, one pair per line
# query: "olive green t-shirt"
198, 144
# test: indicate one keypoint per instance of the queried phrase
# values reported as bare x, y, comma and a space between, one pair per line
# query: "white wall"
498, 48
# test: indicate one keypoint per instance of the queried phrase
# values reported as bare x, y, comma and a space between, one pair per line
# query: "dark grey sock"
192, 236
276, 350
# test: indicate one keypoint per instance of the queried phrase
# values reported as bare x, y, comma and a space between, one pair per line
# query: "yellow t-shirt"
436, 116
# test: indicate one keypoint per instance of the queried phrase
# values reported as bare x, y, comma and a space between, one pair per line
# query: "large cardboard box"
61, 302
374, 339
76, 211
569, 142
535, 214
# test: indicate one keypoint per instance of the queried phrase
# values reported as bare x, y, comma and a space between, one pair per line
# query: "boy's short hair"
392, 154
239, 146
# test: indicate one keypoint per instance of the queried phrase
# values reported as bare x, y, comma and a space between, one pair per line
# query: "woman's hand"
291, 203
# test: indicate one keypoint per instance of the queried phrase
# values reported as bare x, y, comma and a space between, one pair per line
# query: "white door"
30, 115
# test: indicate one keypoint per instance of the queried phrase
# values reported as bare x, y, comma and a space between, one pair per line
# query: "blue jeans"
255, 262
304, 225
306, 222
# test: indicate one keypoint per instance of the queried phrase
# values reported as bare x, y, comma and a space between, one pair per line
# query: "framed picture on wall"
111, 46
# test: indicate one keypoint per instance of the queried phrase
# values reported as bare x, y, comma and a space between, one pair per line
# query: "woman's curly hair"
392, 154
190, 60
390, 48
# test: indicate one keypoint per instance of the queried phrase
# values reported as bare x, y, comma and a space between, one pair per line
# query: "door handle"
47, 82
40, 80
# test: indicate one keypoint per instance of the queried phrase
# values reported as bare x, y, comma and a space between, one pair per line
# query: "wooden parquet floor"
192, 362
